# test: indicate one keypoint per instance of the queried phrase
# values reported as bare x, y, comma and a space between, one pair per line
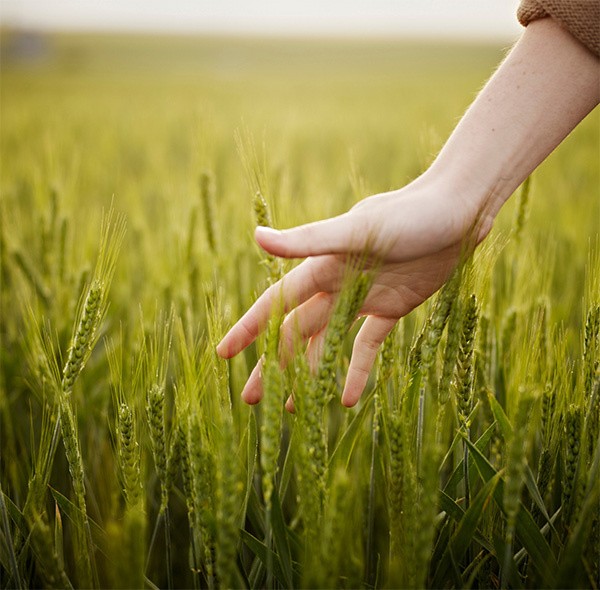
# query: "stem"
210, 576
168, 548
153, 539
506, 566
420, 422
466, 475
467, 488
372, 575
196, 566
268, 541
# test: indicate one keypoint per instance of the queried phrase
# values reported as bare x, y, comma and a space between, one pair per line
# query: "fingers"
368, 340
307, 319
337, 235
314, 351
253, 391
364, 352
304, 322
301, 283
289, 405
340, 234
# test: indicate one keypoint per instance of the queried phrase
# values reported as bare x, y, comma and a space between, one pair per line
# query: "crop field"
133, 172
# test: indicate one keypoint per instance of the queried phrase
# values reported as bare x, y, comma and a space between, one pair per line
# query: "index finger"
312, 276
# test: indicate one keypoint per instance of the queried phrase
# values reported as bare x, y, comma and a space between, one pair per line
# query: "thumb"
336, 235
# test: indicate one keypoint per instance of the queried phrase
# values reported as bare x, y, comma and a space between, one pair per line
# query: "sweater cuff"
580, 17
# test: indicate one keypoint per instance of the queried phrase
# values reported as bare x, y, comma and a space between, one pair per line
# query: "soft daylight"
299, 295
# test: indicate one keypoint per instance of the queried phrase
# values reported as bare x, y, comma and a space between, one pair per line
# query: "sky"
477, 19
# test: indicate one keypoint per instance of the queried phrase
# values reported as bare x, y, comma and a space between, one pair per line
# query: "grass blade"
534, 492
570, 564
265, 555
467, 526
71, 510
500, 416
456, 476
58, 537
456, 512
9, 543
512, 575
288, 463
252, 431
281, 540
345, 446
527, 531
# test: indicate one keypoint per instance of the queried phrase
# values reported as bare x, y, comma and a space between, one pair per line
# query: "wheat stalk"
207, 200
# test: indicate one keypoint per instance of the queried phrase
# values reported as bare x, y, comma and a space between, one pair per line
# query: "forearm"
548, 83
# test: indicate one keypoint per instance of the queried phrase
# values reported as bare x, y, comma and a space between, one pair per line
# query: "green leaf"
58, 537
443, 537
344, 448
458, 438
448, 505
288, 464
18, 518
474, 568
457, 474
527, 531
456, 513
570, 564
450, 453
534, 492
280, 540
522, 553
10, 547
16, 515
256, 513
465, 532
500, 416
413, 390
257, 570
73, 513
252, 431
264, 554
512, 576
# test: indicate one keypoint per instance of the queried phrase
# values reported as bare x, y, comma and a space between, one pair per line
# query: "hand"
546, 85
416, 236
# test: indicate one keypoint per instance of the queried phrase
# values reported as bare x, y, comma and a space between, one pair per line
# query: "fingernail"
266, 231
221, 350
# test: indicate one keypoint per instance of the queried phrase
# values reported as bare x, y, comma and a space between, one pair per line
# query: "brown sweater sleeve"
580, 17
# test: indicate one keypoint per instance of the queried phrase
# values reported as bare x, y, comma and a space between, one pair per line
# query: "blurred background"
31, 28
327, 102
413, 18
349, 72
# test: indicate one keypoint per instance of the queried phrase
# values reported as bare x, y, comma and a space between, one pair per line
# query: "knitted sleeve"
580, 17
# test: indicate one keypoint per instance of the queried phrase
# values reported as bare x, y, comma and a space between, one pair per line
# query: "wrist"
475, 197
547, 84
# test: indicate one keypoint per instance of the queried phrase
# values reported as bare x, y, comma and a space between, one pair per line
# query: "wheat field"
134, 170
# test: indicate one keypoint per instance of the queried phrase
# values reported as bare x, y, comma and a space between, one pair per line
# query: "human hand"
546, 85
415, 235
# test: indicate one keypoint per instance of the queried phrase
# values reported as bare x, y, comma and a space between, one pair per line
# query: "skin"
546, 85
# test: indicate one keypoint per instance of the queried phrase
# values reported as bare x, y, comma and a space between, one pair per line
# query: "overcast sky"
449, 18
